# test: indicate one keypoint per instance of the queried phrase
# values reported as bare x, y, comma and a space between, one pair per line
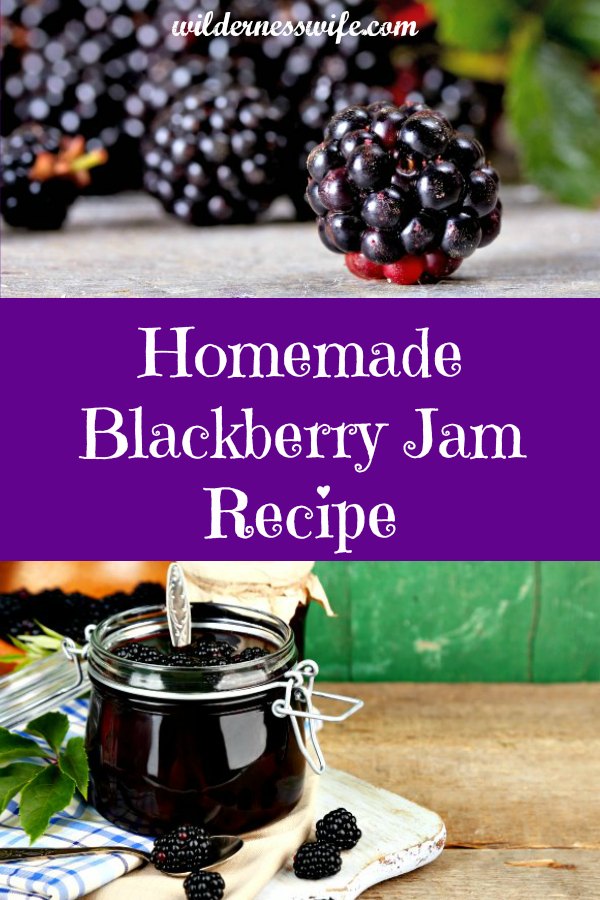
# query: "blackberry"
140, 652
182, 850
396, 186
167, 78
215, 157
78, 77
41, 175
209, 646
317, 860
181, 659
249, 655
204, 886
339, 828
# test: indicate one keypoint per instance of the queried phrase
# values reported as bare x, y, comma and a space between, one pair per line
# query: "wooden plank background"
459, 621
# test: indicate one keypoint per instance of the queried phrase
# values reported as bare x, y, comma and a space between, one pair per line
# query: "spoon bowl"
225, 846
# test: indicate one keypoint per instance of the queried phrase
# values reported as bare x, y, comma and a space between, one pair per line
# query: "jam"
171, 745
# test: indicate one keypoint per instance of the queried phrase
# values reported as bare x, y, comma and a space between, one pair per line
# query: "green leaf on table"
576, 22
73, 762
13, 746
476, 24
47, 794
52, 726
13, 779
555, 119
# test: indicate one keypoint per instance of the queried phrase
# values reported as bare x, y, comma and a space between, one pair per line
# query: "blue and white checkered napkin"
77, 826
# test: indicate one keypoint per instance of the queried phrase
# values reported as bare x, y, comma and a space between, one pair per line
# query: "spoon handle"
12, 854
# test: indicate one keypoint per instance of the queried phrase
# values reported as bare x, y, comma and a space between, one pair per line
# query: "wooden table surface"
126, 246
514, 771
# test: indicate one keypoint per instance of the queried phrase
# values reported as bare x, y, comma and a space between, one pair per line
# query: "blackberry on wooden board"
316, 860
216, 157
339, 828
395, 185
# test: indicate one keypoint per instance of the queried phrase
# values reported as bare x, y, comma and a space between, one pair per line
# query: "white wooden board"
398, 836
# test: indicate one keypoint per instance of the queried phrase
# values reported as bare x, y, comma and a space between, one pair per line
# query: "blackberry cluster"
335, 832
401, 193
250, 654
137, 651
315, 860
67, 614
204, 886
340, 829
182, 850
216, 157
41, 175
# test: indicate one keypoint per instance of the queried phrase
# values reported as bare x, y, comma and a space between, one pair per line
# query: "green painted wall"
459, 621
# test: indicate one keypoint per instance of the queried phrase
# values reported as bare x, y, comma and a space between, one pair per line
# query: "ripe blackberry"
181, 659
208, 646
204, 886
249, 655
139, 652
41, 175
183, 849
317, 860
399, 186
339, 828
215, 157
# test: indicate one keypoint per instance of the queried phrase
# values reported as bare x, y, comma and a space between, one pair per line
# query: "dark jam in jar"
169, 745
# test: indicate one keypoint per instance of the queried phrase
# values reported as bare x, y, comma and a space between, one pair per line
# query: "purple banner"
298, 430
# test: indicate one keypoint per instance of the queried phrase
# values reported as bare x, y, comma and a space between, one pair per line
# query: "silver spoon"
225, 846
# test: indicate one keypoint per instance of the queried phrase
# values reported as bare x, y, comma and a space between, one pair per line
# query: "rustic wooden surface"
514, 771
125, 246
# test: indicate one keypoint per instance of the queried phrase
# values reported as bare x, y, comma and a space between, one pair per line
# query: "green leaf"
47, 794
576, 22
74, 763
13, 746
476, 24
13, 779
554, 116
52, 726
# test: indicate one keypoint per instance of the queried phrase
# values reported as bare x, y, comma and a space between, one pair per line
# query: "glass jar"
170, 745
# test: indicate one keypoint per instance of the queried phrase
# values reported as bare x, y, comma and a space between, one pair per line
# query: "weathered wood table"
514, 771
125, 246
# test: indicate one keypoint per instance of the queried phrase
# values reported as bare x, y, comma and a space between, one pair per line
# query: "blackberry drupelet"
215, 157
183, 849
142, 653
41, 174
317, 860
204, 886
249, 655
395, 187
339, 828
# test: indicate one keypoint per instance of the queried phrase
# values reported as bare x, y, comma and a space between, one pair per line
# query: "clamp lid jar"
218, 746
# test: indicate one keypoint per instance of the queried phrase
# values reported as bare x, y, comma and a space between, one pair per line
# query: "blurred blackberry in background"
68, 614
41, 174
215, 156
76, 77
167, 79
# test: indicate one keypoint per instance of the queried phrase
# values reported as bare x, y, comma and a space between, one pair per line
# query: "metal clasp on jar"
300, 688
